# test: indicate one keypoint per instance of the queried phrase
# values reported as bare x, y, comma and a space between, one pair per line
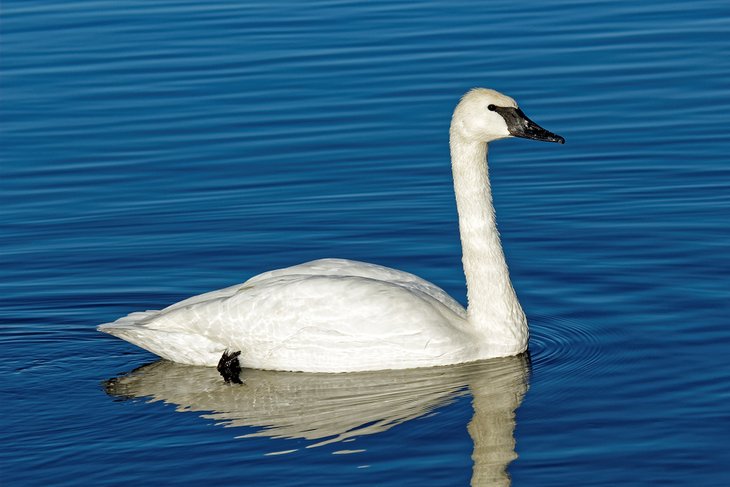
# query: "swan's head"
485, 115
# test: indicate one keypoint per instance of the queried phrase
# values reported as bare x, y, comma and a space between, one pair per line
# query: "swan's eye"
492, 108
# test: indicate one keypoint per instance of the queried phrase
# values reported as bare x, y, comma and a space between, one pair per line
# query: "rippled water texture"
154, 150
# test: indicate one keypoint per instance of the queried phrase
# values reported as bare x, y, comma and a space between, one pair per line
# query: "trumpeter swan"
335, 315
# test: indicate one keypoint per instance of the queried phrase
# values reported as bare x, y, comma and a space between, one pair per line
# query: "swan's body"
335, 315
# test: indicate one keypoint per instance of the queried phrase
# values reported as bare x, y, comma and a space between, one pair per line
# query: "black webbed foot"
229, 367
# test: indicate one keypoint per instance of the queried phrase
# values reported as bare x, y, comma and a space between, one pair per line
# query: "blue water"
155, 150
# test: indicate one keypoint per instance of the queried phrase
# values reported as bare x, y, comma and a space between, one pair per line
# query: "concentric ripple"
563, 345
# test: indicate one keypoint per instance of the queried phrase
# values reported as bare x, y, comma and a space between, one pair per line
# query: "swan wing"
345, 267
328, 315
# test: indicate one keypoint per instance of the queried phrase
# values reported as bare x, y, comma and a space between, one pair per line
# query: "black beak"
520, 126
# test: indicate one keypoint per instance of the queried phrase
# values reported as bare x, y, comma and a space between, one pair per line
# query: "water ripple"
563, 346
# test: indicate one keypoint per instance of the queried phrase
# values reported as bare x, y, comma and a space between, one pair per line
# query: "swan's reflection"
327, 408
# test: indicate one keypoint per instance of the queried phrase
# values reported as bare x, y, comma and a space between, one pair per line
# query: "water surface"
152, 151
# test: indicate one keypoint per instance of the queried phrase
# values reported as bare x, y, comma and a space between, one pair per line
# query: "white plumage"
335, 315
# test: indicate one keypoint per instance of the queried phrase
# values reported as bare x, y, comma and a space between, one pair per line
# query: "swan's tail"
147, 330
138, 318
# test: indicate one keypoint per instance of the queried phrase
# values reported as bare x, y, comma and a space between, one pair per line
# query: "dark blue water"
155, 150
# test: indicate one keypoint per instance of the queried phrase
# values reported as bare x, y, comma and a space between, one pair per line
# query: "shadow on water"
329, 408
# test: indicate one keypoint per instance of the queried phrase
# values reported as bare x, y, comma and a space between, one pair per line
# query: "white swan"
336, 315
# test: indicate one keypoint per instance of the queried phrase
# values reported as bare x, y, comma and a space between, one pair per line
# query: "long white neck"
493, 309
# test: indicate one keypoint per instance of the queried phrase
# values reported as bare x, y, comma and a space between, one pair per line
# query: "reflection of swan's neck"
492, 431
493, 307
496, 398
